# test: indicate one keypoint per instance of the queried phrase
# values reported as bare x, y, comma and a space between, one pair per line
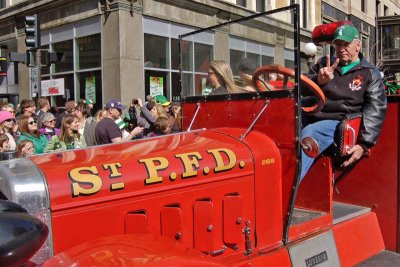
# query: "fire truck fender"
131, 250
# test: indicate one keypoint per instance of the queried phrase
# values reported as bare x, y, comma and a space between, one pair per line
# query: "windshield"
222, 59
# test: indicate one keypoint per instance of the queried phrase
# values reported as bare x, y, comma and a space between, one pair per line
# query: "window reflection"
187, 55
203, 55
155, 51
235, 57
89, 52
68, 63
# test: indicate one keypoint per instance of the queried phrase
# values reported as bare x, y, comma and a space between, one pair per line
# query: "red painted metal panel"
315, 191
136, 223
374, 182
233, 220
204, 228
278, 257
185, 167
171, 222
304, 229
131, 250
268, 190
358, 239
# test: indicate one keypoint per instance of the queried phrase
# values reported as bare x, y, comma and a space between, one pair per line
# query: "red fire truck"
223, 192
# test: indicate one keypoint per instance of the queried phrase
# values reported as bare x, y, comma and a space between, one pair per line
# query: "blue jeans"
322, 132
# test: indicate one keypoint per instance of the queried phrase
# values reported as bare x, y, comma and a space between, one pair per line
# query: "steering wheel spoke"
284, 83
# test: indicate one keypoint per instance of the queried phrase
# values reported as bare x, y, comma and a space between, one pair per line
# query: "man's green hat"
346, 33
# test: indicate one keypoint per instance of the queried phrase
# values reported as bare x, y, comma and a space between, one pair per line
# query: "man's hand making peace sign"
325, 74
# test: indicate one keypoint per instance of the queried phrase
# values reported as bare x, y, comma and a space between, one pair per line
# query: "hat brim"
343, 38
166, 104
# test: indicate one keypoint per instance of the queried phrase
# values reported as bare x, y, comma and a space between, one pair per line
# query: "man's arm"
136, 131
373, 115
374, 111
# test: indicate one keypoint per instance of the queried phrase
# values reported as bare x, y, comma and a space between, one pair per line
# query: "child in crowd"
161, 127
4, 143
25, 148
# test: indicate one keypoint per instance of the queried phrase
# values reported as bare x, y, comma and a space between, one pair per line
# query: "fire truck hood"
113, 172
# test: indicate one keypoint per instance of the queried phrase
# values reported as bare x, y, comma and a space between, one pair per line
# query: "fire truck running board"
384, 259
318, 251
343, 211
302, 215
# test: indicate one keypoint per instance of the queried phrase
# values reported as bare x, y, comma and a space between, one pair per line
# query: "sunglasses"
32, 122
51, 121
10, 120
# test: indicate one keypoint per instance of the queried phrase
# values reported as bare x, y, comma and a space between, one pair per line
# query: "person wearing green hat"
351, 85
162, 100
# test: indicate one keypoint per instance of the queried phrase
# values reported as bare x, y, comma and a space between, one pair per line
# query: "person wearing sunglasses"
220, 78
7, 123
29, 131
48, 125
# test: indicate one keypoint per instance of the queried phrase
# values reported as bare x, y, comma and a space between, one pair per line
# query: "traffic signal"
54, 57
3, 66
32, 31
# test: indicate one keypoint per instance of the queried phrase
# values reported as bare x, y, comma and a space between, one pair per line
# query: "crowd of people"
29, 129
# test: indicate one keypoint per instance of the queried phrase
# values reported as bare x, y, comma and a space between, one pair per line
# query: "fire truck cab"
223, 192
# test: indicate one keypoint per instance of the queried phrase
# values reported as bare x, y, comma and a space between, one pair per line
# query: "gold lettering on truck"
190, 163
85, 184
153, 165
113, 167
221, 166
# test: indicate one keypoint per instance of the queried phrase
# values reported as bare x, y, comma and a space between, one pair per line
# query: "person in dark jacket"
351, 85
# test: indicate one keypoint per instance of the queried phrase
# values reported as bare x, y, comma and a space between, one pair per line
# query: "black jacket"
358, 90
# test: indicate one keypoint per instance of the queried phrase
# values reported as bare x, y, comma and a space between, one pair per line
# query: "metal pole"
39, 74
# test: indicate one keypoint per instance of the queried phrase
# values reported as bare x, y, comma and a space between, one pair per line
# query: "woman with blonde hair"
220, 78
69, 137
100, 114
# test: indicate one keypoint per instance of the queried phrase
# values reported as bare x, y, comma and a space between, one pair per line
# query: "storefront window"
201, 85
156, 51
156, 82
203, 55
176, 89
89, 87
68, 63
266, 60
187, 84
88, 52
235, 57
255, 57
187, 58
44, 69
60, 100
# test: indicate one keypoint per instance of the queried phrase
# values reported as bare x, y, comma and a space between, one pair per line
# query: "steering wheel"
261, 85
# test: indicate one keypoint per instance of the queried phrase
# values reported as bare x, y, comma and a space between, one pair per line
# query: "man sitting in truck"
351, 85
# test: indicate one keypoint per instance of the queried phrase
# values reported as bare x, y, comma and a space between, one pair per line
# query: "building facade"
118, 48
